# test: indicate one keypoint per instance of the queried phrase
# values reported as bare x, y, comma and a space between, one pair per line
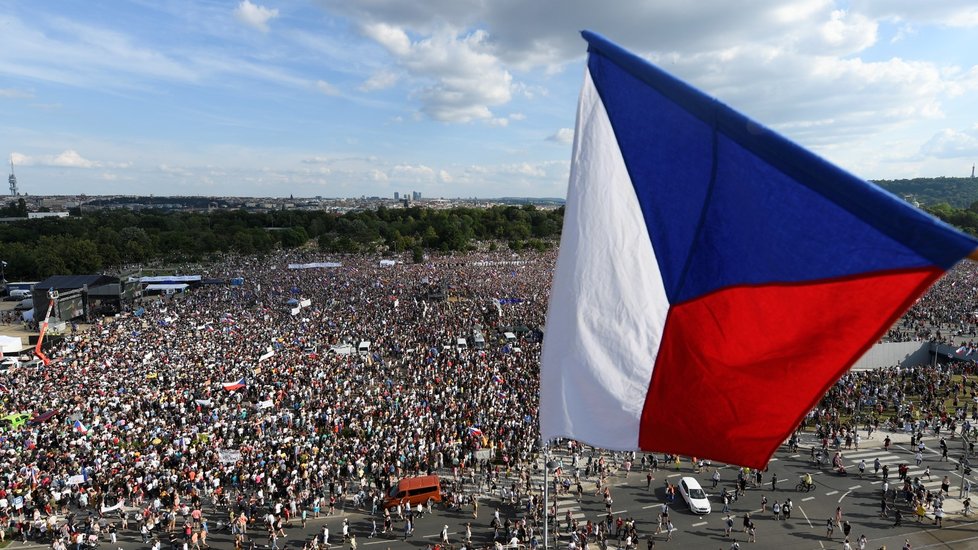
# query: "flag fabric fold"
79, 427
236, 385
714, 279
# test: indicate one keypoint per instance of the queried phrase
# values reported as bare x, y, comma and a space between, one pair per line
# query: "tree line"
107, 239
957, 192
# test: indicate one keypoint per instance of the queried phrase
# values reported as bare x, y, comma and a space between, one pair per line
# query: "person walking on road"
829, 528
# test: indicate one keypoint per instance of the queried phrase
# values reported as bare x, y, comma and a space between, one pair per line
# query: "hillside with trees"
104, 240
956, 192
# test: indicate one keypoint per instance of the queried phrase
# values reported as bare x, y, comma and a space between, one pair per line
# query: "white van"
510, 337
461, 344
20, 294
364, 347
478, 340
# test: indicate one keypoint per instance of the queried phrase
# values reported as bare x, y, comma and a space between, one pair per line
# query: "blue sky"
452, 98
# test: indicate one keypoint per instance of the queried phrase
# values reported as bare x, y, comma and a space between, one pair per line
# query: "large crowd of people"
946, 313
245, 397
308, 387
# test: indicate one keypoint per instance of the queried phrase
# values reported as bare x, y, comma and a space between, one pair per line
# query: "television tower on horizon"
12, 179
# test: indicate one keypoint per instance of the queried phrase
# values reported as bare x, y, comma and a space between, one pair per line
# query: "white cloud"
517, 116
847, 32
379, 81
950, 143
412, 172
462, 78
68, 158
563, 135
444, 176
327, 88
254, 15
951, 13
13, 93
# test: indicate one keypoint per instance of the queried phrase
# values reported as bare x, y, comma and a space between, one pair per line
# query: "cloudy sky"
452, 98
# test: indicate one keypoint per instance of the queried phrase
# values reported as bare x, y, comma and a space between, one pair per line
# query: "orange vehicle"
414, 491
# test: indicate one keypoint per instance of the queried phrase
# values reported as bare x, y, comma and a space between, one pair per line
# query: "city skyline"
451, 98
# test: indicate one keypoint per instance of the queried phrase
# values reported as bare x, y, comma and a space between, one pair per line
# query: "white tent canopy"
178, 287
11, 344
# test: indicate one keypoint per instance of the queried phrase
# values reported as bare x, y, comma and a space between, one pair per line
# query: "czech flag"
79, 427
231, 386
498, 379
473, 431
713, 279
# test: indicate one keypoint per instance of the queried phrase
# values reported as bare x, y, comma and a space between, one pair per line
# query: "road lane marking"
806, 499
700, 524
810, 526
854, 487
830, 493
844, 495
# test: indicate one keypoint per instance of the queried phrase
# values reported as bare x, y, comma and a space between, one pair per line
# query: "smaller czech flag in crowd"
236, 385
79, 427
473, 431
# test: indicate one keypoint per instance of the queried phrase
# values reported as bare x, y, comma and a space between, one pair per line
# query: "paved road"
858, 497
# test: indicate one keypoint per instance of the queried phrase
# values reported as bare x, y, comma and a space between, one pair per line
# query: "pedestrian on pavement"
838, 516
846, 528
846, 545
751, 533
897, 517
729, 525
861, 543
776, 508
716, 477
786, 509
763, 503
774, 482
829, 528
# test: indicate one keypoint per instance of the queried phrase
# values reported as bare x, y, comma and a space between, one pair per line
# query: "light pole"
547, 466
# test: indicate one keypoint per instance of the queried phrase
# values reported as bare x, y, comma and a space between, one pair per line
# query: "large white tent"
11, 344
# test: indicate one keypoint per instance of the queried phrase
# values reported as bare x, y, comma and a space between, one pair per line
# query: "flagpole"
546, 499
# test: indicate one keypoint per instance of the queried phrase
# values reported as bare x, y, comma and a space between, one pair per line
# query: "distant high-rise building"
416, 195
397, 196
12, 179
